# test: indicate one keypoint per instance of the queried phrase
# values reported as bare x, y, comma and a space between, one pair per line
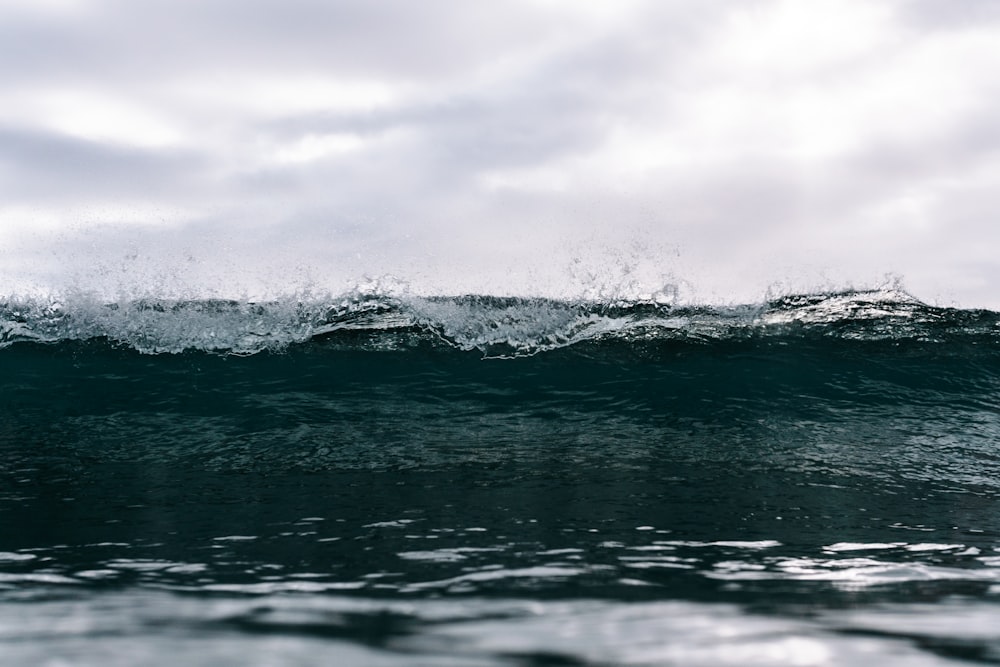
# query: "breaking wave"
492, 325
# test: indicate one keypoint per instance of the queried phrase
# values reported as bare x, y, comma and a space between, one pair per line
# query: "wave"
492, 325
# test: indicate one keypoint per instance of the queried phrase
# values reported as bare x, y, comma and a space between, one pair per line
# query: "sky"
714, 151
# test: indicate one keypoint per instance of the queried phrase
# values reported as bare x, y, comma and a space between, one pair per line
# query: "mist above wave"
493, 325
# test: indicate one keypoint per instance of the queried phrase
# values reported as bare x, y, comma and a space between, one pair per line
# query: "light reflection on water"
410, 561
441, 606
160, 628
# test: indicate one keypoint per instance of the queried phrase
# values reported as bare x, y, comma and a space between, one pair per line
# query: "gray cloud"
144, 41
935, 15
49, 168
537, 94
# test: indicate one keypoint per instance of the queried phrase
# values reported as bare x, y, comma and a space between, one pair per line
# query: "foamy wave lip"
508, 326
159, 326
890, 302
494, 326
212, 325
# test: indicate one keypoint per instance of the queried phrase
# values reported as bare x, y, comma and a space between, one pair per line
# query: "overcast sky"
235, 147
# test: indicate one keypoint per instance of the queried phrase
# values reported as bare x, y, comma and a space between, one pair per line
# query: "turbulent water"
394, 480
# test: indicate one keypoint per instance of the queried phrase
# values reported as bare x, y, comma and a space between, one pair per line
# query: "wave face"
494, 326
400, 480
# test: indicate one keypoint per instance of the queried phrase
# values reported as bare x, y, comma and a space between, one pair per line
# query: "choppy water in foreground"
480, 481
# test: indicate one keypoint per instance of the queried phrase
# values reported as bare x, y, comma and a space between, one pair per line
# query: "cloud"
931, 15
490, 147
48, 168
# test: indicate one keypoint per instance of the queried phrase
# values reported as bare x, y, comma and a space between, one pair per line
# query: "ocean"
379, 479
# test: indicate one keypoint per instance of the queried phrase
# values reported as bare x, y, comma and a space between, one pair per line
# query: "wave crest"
494, 326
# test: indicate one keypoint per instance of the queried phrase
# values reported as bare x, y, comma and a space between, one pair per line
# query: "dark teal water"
814, 481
